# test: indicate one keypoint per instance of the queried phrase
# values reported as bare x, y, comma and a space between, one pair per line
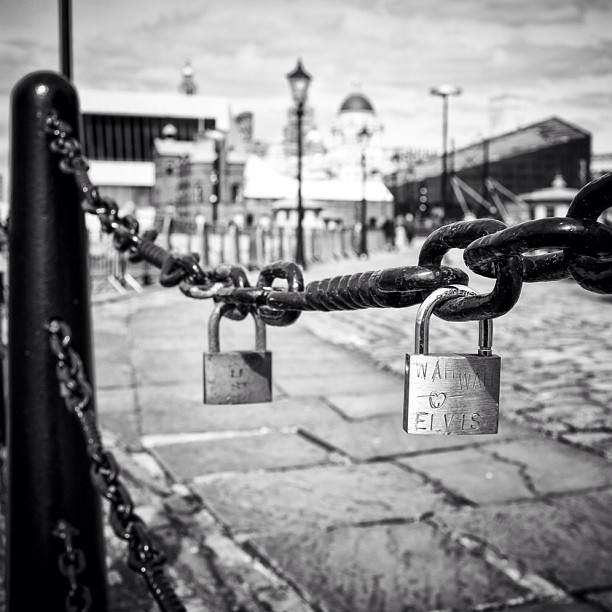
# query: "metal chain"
174, 269
71, 563
579, 247
143, 556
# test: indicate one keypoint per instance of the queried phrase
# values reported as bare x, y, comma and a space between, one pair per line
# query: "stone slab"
117, 414
566, 540
599, 442
386, 568
112, 360
374, 382
550, 606
244, 453
603, 600
474, 475
179, 408
167, 366
384, 436
317, 497
555, 467
368, 404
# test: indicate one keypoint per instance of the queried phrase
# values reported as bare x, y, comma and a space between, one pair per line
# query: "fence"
251, 247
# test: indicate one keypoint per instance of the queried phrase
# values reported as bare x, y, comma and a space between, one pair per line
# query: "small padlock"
236, 377
451, 393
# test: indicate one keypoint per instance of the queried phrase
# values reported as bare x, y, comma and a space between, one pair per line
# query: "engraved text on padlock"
236, 377
451, 393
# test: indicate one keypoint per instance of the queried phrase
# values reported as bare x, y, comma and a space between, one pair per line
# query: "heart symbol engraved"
436, 399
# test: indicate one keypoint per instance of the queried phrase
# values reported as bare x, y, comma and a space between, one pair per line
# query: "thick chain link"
579, 247
143, 556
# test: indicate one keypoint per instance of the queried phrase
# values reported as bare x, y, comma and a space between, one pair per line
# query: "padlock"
451, 393
236, 377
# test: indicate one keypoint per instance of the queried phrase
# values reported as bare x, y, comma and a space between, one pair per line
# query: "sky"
546, 57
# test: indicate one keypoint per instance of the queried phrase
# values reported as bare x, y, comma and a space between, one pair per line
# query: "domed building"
356, 130
333, 185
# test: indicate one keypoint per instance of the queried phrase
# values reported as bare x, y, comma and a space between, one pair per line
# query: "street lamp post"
445, 91
299, 81
364, 138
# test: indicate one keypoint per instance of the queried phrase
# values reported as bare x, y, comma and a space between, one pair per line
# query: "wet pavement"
319, 501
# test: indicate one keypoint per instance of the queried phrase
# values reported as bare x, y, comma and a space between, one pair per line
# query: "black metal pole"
48, 467
65, 29
444, 155
216, 181
299, 249
363, 241
2, 362
485, 169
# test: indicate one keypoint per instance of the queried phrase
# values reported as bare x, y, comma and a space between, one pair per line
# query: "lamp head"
299, 81
445, 90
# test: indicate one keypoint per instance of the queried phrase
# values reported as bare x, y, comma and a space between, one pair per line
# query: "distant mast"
188, 86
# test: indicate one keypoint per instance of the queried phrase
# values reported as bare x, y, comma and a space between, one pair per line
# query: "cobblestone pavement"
319, 502
555, 344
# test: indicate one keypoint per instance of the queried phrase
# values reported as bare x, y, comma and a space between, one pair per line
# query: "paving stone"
554, 467
179, 408
332, 383
567, 541
302, 364
113, 367
385, 568
366, 405
577, 415
474, 475
549, 606
602, 599
384, 436
166, 366
318, 496
599, 442
117, 414
243, 454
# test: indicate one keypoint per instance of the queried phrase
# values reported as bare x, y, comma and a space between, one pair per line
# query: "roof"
122, 173
356, 102
155, 104
540, 135
202, 151
263, 182
557, 192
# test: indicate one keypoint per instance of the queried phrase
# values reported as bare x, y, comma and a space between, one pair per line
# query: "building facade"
341, 175
200, 177
120, 127
521, 161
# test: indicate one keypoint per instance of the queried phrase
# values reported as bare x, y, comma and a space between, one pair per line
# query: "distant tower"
188, 87
244, 122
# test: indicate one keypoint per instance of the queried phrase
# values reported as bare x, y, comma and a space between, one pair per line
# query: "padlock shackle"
214, 322
443, 294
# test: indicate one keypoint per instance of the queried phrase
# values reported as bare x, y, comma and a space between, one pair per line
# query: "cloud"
559, 54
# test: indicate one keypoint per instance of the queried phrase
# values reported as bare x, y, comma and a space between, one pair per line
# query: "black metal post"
2, 361
299, 249
215, 179
48, 467
363, 240
65, 30
485, 169
444, 185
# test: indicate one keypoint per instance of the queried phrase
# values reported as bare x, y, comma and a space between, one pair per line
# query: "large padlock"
451, 393
236, 377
